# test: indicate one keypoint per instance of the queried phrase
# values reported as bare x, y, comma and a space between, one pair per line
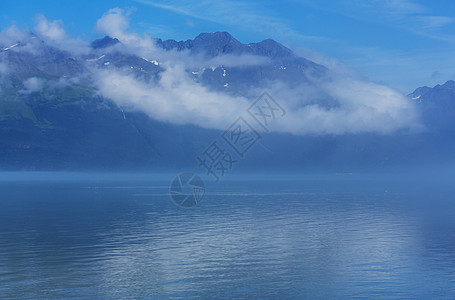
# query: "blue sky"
401, 43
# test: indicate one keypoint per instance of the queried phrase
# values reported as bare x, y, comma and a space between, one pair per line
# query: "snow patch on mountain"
95, 59
10, 47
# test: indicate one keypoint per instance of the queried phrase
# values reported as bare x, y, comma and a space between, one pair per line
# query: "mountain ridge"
216, 43
69, 126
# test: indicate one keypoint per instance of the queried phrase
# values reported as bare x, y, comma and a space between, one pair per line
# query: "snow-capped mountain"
278, 62
52, 114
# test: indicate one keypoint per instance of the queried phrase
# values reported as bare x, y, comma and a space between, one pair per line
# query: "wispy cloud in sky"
251, 16
407, 15
400, 7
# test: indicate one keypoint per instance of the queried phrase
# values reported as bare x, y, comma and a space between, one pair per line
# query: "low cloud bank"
339, 103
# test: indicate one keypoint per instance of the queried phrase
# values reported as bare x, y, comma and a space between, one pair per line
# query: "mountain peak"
271, 48
217, 43
104, 42
215, 36
449, 84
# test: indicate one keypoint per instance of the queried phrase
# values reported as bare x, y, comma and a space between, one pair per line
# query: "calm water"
120, 236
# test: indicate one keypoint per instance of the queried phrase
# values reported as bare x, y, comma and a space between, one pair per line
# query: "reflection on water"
322, 236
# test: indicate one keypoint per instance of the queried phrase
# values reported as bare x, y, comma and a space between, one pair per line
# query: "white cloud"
336, 105
115, 23
342, 104
175, 99
229, 60
52, 30
32, 85
11, 35
55, 34
368, 107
